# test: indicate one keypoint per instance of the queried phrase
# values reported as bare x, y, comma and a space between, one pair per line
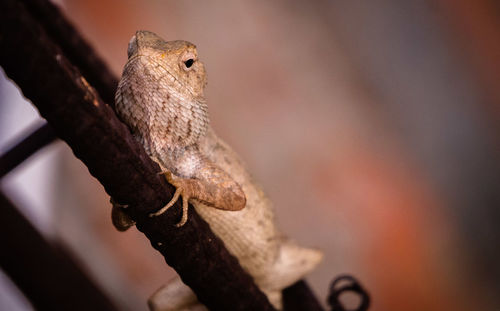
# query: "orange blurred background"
373, 126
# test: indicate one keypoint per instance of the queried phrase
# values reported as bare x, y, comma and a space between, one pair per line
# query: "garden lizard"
161, 98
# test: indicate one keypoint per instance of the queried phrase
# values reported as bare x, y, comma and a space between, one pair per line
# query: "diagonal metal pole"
27, 146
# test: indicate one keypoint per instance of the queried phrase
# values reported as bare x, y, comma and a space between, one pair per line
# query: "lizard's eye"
188, 63
187, 60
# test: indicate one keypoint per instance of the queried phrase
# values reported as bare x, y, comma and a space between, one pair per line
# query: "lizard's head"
160, 95
178, 58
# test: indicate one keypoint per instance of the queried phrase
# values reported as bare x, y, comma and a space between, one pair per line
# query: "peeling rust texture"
90, 127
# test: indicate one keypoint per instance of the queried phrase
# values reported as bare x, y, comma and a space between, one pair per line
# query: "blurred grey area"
372, 125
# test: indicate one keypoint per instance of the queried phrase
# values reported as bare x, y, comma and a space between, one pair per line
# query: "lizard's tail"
293, 263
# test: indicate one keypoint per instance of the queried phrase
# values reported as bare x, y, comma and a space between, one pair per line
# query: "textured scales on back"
160, 97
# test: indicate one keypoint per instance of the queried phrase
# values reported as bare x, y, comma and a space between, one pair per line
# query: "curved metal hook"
352, 286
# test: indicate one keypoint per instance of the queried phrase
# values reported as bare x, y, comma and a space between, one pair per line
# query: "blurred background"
372, 125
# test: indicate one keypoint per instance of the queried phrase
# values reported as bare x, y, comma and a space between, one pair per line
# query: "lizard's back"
250, 234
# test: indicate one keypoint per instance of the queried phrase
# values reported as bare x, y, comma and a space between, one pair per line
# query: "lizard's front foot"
180, 191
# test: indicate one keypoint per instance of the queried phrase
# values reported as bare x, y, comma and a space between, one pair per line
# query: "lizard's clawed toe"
184, 212
178, 192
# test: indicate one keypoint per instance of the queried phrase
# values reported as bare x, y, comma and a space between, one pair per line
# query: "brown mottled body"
160, 97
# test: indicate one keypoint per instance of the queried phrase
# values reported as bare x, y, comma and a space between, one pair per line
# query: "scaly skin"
160, 97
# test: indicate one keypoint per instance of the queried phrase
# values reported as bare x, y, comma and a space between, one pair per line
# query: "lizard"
161, 98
